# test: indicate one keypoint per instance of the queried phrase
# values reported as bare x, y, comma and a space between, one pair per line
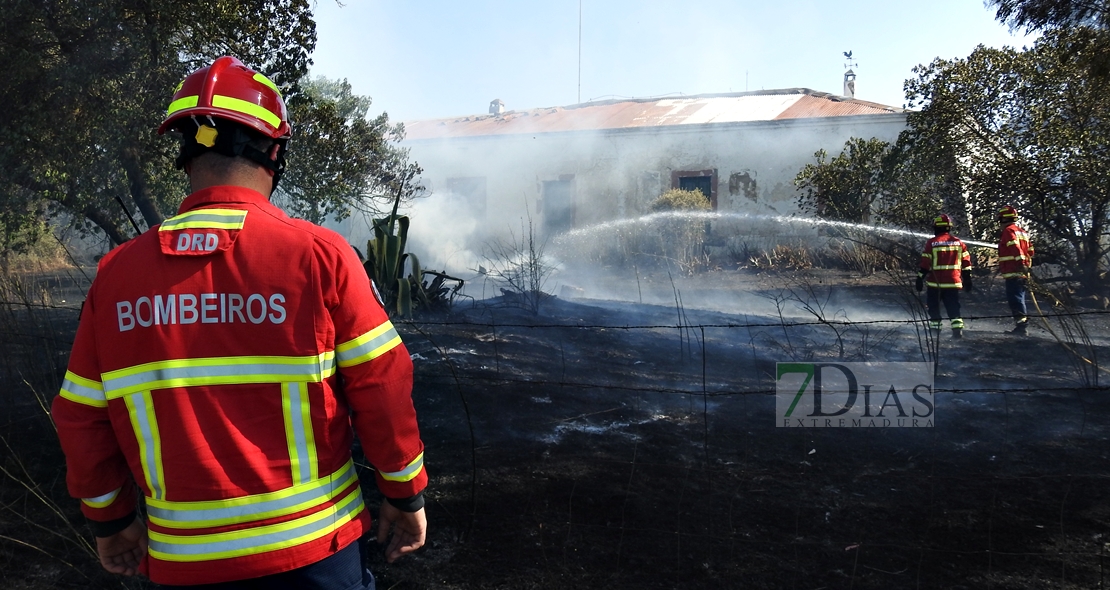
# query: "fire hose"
1044, 319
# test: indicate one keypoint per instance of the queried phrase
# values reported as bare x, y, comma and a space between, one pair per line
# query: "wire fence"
565, 449
574, 446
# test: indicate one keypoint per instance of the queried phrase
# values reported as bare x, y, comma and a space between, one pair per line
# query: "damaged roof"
766, 105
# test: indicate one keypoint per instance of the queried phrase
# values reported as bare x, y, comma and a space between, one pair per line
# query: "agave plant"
385, 263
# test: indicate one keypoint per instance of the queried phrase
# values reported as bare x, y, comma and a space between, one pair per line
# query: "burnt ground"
608, 443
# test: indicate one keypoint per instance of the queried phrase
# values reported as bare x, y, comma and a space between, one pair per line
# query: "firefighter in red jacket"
945, 268
220, 363
1015, 256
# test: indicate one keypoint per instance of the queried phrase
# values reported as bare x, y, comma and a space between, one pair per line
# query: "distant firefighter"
1015, 256
943, 265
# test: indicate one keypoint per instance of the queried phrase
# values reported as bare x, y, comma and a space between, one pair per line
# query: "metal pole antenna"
579, 51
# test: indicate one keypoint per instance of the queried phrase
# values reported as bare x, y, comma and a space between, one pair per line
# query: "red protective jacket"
1015, 252
219, 364
944, 258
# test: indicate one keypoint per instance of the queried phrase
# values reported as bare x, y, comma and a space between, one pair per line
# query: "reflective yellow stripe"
215, 513
297, 412
369, 346
247, 108
140, 407
102, 501
230, 103
408, 473
185, 102
933, 262
188, 548
934, 258
76, 388
206, 219
218, 371
263, 79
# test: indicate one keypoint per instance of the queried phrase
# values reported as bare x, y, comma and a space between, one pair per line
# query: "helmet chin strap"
232, 140
273, 161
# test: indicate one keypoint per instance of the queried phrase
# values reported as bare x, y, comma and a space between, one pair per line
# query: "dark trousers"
951, 299
340, 571
1015, 297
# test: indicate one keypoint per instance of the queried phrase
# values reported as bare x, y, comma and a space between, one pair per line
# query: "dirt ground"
625, 437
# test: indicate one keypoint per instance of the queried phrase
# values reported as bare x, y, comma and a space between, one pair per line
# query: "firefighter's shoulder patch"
377, 294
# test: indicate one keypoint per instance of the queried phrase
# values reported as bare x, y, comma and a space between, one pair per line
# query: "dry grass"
43, 539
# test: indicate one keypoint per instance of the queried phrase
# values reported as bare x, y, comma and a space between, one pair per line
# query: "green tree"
87, 83
873, 181
1046, 14
1031, 129
848, 187
330, 120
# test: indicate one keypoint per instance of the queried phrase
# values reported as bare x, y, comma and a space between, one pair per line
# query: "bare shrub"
682, 237
1070, 330
866, 256
783, 257
850, 340
678, 199
519, 266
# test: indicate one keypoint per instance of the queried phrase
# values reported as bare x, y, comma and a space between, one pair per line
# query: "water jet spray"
617, 225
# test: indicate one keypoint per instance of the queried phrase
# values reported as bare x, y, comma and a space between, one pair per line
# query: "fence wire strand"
639, 483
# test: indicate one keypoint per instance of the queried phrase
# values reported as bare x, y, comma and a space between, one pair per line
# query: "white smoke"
442, 232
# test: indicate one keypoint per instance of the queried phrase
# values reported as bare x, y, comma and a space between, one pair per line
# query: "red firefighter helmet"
942, 220
227, 89
1007, 213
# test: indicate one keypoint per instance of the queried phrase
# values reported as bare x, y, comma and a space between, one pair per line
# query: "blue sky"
423, 59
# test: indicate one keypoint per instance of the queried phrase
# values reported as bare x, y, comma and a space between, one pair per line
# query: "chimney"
496, 107
850, 84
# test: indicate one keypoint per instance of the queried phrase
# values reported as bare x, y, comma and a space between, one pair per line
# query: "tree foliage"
1046, 14
1027, 128
330, 121
847, 187
872, 181
87, 83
